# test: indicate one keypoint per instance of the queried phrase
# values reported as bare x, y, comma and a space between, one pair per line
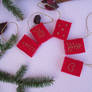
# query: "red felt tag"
72, 66
40, 33
62, 29
27, 45
74, 46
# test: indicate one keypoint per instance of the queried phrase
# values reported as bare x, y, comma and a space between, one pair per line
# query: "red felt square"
74, 46
62, 29
40, 33
72, 66
27, 45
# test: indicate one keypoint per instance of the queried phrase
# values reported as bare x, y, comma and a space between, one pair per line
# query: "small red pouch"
27, 45
62, 29
74, 46
72, 66
40, 33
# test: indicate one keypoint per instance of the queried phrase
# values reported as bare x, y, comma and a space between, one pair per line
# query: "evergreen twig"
21, 72
20, 89
11, 7
27, 82
7, 45
37, 82
6, 77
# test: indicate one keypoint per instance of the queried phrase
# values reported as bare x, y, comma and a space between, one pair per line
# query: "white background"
49, 57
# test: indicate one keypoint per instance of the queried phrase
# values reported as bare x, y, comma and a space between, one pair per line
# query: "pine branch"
37, 82
20, 89
11, 7
25, 83
10, 42
21, 72
7, 45
6, 77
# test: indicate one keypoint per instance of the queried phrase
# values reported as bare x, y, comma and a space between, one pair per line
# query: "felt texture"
74, 46
72, 66
49, 58
62, 29
40, 33
27, 45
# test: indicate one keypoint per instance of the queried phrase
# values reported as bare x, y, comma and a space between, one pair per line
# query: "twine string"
5, 27
41, 14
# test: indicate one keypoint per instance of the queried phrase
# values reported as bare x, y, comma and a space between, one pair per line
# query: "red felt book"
72, 66
27, 45
62, 29
40, 33
74, 46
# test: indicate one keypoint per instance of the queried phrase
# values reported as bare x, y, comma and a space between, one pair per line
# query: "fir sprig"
7, 45
6, 77
11, 7
37, 82
20, 89
21, 72
27, 82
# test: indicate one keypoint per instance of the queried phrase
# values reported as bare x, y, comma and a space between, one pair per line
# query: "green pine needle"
37, 82
6, 77
4, 47
27, 82
20, 89
11, 7
21, 72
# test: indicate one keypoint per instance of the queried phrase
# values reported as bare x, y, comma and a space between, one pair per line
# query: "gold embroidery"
72, 46
30, 47
59, 25
62, 29
71, 67
66, 25
39, 32
63, 35
58, 33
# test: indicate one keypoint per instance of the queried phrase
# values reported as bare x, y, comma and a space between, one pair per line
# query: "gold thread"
89, 65
88, 34
87, 29
73, 66
39, 3
5, 27
42, 14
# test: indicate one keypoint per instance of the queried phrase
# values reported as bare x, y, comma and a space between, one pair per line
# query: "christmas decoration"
62, 29
11, 7
52, 4
7, 45
25, 82
27, 45
3, 27
72, 66
74, 46
37, 19
61, 1
40, 33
